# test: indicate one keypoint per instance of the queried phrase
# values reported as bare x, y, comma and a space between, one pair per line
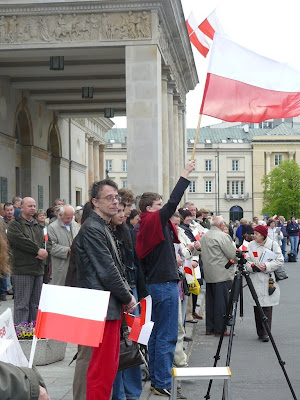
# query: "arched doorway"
24, 145
236, 213
54, 148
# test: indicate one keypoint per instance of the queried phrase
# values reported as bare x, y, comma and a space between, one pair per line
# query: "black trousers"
260, 328
217, 296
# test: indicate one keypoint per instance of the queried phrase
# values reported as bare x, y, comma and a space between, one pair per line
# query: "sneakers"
162, 392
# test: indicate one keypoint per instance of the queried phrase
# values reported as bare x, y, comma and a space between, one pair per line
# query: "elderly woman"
274, 233
263, 277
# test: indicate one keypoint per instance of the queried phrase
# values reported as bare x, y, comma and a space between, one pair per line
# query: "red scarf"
151, 234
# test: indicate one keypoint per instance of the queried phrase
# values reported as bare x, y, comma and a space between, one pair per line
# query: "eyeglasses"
110, 198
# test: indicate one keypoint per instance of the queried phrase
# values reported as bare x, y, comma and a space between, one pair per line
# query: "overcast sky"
269, 27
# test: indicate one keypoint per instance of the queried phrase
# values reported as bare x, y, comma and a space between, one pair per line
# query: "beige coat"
217, 248
61, 239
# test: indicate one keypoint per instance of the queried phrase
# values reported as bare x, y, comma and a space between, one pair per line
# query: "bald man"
61, 234
26, 239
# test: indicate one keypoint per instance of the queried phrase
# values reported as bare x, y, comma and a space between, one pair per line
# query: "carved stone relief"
75, 27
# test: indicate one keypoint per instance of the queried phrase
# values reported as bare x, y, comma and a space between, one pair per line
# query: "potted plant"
47, 351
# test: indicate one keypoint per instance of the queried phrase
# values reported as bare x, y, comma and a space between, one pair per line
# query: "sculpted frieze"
75, 27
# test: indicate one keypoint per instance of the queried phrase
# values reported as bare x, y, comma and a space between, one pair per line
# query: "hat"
249, 230
204, 210
262, 229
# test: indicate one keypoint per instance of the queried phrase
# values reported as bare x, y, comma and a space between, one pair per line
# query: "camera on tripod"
240, 255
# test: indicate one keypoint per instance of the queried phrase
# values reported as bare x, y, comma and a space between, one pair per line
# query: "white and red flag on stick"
243, 86
201, 34
72, 315
275, 217
45, 234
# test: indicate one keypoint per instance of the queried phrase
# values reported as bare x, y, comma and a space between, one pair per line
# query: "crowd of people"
134, 246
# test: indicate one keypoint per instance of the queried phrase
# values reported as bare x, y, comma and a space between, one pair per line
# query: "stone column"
144, 118
171, 86
176, 137
268, 162
91, 162
87, 181
165, 136
102, 173
181, 137
96, 161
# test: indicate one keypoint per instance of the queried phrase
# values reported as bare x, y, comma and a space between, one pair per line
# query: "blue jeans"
283, 248
294, 243
128, 384
3, 286
162, 343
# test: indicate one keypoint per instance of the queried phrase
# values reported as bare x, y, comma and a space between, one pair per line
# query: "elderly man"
217, 249
26, 239
61, 234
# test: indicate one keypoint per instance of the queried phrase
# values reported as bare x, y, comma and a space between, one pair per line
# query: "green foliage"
282, 190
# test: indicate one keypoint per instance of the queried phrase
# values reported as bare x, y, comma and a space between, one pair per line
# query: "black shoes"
264, 338
187, 339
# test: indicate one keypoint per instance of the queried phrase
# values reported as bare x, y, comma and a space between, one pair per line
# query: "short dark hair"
97, 187
270, 221
147, 199
184, 212
127, 195
7, 205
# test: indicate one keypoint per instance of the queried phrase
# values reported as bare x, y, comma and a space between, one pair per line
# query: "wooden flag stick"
196, 137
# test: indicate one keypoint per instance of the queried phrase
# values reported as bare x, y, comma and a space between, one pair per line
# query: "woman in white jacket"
264, 280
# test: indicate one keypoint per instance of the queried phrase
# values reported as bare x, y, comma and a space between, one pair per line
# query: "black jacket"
98, 266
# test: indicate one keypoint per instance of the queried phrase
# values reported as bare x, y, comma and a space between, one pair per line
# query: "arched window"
236, 213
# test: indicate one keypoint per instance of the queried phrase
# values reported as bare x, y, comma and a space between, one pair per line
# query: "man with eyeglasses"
99, 266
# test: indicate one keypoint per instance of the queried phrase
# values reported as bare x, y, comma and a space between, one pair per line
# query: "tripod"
230, 318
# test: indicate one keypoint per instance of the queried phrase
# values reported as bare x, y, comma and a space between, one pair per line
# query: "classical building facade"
64, 66
230, 164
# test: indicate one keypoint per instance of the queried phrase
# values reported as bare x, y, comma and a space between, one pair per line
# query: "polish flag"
211, 25
275, 217
45, 234
244, 246
188, 267
197, 237
141, 327
146, 309
243, 86
196, 36
72, 315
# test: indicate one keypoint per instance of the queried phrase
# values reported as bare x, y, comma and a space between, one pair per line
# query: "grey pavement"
256, 373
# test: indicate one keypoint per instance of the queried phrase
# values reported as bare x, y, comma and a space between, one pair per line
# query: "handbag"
280, 274
194, 287
130, 353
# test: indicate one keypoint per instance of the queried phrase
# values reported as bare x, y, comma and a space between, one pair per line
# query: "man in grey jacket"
217, 249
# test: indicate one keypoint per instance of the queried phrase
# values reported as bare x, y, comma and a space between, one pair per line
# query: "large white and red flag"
201, 34
243, 86
72, 315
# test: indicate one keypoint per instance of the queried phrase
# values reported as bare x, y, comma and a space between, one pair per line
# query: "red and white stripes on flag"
275, 217
72, 315
243, 86
202, 34
45, 234
141, 327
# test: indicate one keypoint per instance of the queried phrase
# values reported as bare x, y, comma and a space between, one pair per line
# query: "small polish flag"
146, 309
197, 237
188, 267
45, 234
244, 246
140, 333
72, 315
275, 217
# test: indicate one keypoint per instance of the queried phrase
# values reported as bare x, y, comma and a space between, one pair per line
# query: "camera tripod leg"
264, 320
230, 315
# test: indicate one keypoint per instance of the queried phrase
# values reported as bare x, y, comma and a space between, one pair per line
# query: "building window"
208, 186
235, 165
278, 159
124, 184
208, 165
234, 187
192, 187
124, 165
108, 165
228, 187
242, 187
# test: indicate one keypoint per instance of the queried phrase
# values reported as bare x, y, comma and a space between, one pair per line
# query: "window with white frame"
124, 184
192, 187
124, 165
108, 165
228, 187
234, 187
208, 165
242, 187
208, 186
278, 159
235, 165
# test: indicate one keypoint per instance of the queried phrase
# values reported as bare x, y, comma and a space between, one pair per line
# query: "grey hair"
217, 220
62, 209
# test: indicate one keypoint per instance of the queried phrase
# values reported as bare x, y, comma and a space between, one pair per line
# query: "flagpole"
196, 137
32, 352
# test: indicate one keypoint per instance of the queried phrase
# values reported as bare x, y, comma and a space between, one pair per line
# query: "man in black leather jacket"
99, 266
